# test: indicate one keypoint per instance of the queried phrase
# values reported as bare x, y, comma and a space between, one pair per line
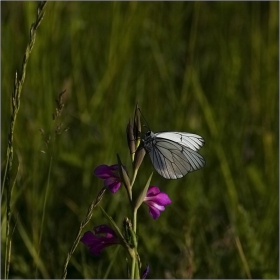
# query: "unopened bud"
137, 126
130, 138
139, 155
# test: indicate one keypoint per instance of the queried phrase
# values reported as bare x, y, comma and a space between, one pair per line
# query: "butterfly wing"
173, 154
190, 140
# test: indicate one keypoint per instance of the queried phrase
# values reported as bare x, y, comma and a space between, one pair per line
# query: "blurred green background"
209, 68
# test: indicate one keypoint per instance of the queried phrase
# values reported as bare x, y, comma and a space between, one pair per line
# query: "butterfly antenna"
144, 119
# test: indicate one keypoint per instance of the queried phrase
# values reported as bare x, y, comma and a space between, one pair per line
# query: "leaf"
143, 193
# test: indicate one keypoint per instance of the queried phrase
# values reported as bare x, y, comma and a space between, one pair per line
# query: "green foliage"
209, 68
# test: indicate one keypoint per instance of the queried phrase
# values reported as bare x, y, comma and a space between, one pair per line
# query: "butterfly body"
173, 154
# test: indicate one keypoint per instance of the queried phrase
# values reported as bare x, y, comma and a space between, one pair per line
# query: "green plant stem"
133, 264
109, 268
82, 225
18, 83
243, 257
44, 211
135, 220
134, 261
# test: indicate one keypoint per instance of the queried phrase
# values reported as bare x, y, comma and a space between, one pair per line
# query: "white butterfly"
173, 154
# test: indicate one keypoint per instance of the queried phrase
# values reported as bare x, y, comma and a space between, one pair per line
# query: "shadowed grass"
209, 68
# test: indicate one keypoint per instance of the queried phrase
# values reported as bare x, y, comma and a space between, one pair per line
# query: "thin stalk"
243, 258
18, 83
111, 263
134, 220
44, 211
82, 225
133, 263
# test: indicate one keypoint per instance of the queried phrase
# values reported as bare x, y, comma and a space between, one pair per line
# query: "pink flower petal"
156, 201
104, 229
102, 237
155, 213
153, 190
103, 171
89, 238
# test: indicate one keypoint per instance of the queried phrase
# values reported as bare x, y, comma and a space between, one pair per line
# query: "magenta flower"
110, 175
156, 201
96, 241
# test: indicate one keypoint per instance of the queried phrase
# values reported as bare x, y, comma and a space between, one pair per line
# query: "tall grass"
18, 83
207, 68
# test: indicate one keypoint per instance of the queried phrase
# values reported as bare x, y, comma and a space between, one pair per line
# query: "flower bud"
139, 155
137, 126
130, 138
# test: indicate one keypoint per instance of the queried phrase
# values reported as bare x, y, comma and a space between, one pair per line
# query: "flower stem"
134, 264
82, 225
134, 220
